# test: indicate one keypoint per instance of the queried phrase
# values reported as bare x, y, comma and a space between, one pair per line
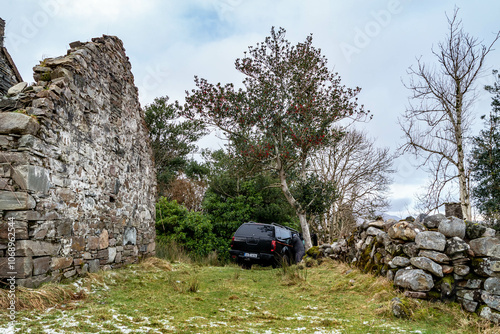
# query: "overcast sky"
370, 44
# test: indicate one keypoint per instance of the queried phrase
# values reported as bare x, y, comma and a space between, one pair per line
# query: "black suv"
264, 244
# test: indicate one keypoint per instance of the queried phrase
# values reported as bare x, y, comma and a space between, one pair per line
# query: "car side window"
288, 236
283, 235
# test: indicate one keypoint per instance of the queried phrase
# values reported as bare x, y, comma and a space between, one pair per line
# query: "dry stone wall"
435, 257
77, 183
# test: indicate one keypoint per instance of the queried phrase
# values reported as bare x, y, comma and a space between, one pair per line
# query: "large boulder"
431, 240
404, 230
452, 227
414, 279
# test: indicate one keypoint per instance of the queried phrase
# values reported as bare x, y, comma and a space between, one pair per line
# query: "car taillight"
273, 245
232, 241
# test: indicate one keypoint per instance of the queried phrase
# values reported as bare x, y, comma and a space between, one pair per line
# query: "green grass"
330, 298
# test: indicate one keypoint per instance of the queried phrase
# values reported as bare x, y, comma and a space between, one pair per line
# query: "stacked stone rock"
76, 171
434, 258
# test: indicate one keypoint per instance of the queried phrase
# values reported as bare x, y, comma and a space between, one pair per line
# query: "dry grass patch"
155, 263
47, 296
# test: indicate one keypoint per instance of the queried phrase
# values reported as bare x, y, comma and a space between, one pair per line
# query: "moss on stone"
448, 279
434, 294
45, 76
477, 261
472, 276
313, 252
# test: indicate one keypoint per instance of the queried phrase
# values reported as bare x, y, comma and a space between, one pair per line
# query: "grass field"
156, 297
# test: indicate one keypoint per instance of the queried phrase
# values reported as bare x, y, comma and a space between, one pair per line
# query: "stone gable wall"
438, 257
9, 75
76, 172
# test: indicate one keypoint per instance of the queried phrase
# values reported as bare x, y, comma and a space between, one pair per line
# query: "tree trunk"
305, 229
464, 197
462, 179
298, 209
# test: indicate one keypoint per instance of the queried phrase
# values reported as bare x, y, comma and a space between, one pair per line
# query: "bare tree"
361, 174
436, 125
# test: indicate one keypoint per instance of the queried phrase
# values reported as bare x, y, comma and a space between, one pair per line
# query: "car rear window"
256, 230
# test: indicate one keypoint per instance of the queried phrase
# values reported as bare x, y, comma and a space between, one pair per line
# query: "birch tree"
437, 122
361, 173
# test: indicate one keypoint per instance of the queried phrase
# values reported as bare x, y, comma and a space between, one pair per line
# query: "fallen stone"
416, 294
431, 240
399, 309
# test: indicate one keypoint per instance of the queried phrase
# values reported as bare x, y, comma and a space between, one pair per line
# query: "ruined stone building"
9, 75
76, 171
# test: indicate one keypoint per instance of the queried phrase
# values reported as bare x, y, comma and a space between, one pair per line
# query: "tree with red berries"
284, 114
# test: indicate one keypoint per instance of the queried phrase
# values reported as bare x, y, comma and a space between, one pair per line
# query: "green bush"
191, 230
